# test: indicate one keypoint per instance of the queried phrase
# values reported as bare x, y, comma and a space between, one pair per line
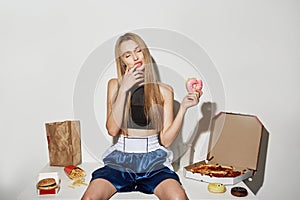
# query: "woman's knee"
174, 195
170, 189
99, 189
86, 197
91, 196
96, 196
179, 195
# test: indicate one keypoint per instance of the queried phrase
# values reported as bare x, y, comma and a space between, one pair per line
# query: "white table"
194, 189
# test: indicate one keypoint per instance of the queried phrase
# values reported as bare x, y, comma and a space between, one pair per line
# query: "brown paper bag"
64, 143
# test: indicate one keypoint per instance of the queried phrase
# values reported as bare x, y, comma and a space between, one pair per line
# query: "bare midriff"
141, 132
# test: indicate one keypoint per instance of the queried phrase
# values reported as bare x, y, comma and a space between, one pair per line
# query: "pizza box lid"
235, 140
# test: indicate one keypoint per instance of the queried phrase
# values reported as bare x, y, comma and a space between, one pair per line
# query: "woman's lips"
138, 64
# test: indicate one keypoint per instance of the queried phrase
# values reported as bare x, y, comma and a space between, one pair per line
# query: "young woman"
140, 114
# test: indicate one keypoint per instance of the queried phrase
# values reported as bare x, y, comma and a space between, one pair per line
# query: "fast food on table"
76, 174
216, 170
47, 184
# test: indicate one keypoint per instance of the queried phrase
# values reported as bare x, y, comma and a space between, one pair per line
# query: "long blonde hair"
153, 97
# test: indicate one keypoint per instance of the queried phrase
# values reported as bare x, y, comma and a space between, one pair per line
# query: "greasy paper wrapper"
64, 143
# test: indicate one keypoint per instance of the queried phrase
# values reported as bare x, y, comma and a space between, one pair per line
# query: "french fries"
77, 173
77, 183
76, 176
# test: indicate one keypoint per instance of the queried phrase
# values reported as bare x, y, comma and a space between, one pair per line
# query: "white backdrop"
254, 44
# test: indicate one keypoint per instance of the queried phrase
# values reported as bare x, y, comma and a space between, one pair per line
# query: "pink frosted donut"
193, 85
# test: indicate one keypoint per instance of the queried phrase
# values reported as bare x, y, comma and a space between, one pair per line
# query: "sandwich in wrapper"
48, 183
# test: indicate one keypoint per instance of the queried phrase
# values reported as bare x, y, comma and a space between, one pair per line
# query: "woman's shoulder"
113, 85
165, 89
113, 82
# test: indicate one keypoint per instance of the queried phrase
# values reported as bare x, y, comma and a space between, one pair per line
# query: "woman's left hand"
191, 99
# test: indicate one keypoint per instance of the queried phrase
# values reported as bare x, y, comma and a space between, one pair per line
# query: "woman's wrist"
182, 110
122, 91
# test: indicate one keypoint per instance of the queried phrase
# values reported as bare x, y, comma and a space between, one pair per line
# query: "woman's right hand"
133, 76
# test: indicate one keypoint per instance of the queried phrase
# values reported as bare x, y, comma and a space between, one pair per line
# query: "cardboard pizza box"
49, 175
234, 141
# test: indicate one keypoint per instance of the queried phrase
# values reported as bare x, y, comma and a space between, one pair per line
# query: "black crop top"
138, 118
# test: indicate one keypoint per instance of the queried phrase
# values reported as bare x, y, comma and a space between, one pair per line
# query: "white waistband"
132, 144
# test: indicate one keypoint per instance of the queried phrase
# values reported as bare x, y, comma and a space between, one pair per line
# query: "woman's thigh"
99, 189
170, 189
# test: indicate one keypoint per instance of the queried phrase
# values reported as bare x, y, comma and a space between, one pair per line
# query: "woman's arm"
171, 127
116, 98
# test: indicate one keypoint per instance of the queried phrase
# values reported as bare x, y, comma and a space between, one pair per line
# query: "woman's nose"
135, 56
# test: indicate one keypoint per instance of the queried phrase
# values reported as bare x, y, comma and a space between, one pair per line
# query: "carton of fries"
76, 174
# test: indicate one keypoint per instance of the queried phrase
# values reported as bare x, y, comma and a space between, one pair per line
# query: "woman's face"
131, 54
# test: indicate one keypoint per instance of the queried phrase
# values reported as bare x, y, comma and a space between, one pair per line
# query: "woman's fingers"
197, 95
134, 76
138, 75
192, 96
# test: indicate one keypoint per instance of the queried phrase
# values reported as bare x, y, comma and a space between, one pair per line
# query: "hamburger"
47, 184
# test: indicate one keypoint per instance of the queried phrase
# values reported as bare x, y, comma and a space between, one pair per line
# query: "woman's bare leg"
170, 189
99, 189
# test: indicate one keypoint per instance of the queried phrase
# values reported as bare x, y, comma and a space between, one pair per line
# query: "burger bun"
47, 184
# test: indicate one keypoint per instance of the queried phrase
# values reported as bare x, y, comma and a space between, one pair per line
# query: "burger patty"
47, 184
